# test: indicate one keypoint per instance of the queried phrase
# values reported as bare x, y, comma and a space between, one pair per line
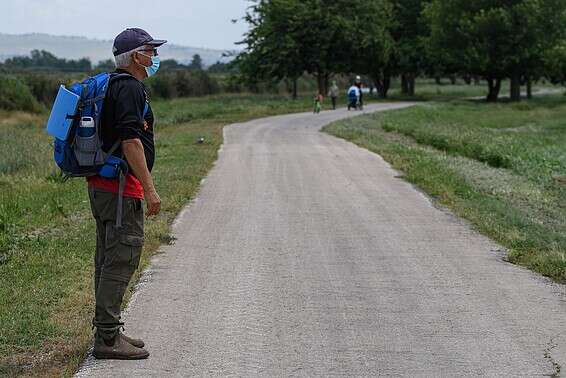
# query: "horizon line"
109, 40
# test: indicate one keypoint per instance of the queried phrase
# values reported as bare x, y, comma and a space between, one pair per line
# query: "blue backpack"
80, 153
75, 124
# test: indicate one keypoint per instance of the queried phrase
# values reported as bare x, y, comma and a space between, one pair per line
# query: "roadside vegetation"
500, 166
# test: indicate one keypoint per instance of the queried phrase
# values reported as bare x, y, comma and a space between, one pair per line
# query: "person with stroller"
353, 97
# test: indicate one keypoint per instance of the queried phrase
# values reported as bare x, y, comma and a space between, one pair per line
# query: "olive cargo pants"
117, 256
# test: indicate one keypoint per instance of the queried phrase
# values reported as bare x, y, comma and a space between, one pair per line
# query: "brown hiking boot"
119, 349
135, 342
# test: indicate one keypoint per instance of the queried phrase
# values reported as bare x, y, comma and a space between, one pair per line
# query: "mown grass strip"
520, 203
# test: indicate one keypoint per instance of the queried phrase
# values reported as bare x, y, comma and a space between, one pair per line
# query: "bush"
162, 86
16, 95
44, 87
182, 83
27, 90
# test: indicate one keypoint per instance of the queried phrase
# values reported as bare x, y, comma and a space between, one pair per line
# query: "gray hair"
125, 59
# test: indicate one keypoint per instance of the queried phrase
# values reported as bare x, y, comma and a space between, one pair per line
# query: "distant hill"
96, 50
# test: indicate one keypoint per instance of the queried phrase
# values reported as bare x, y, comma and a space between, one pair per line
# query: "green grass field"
47, 234
501, 166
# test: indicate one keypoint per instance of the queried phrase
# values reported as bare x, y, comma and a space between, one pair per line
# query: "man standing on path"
126, 117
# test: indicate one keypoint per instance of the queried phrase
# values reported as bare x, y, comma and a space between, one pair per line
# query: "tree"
196, 63
272, 50
495, 39
172, 65
555, 63
409, 32
44, 60
219, 67
327, 37
372, 52
107, 65
288, 37
391, 37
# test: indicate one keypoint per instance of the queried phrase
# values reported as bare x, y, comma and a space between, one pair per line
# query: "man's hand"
153, 203
133, 150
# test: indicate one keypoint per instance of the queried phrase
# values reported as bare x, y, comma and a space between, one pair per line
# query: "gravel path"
305, 255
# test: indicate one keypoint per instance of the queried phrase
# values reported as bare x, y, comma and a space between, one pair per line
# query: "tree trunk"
453, 79
404, 85
529, 88
467, 79
322, 79
291, 87
412, 84
319, 82
477, 80
438, 80
494, 88
382, 83
408, 84
386, 85
515, 92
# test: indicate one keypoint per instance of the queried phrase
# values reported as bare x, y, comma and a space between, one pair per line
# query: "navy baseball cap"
132, 38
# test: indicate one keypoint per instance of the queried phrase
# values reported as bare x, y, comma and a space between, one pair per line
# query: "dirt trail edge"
305, 255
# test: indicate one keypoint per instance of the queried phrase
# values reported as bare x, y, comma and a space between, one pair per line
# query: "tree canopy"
519, 40
496, 39
44, 60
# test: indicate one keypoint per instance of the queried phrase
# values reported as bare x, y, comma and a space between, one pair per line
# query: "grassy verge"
47, 234
503, 167
429, 90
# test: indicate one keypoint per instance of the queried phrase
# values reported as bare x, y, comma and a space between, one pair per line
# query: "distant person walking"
127, 129
334, 93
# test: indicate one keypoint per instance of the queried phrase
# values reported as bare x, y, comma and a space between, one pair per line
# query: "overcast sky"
196, 23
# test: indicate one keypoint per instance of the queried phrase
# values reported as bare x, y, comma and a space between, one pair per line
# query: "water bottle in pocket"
87, 143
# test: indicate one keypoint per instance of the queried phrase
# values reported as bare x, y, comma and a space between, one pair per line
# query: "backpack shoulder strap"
120, 75
123, 75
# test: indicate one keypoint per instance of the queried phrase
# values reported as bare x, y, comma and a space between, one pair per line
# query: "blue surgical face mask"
152, 70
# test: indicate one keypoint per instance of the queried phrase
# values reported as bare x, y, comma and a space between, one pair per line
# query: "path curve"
305, 255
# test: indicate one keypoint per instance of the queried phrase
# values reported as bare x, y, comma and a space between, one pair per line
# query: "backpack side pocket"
87, 150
